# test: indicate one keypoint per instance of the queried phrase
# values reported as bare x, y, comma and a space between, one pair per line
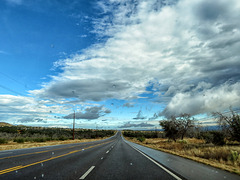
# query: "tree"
230, 124
170, 128
177, 127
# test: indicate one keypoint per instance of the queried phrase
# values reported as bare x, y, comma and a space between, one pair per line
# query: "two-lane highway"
107, 159
112, 158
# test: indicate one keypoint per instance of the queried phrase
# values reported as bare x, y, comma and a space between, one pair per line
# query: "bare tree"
230, 124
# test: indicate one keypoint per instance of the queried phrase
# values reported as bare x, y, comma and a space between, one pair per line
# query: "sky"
117, 63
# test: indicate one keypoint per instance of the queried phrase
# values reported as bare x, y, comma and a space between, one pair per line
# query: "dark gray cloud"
31, 120
128, 105
155, 116
90, 113
85, 89
139, 115
131, 125
211, 10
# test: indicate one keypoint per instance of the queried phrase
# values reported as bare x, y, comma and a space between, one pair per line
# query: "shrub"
215, 137
234, 156
19, 140
39, 140
141, 139
3, 141
62, 138
218, 138
182, 141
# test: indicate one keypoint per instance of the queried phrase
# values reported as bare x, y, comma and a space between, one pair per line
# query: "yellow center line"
4, 171
33, 153
39, 152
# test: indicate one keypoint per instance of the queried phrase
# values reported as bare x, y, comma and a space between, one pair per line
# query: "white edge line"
86, 173
169, 172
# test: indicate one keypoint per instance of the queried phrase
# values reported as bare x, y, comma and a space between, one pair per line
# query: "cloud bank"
190, 49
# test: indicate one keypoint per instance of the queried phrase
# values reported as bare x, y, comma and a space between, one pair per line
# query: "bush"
39, 140
62, 138
19, 140
215, 137
182, 141
3, 141
234, 156
207, 136
218, 138
141, 139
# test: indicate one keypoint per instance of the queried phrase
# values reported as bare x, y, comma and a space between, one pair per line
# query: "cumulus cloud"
190, 48
209, 100
131, 125
90, 113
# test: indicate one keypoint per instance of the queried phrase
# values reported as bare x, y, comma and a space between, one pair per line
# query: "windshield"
120, 65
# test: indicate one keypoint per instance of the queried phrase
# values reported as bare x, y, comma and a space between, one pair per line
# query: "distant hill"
5, 124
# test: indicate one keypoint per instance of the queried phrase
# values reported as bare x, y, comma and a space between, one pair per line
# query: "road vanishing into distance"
113, 158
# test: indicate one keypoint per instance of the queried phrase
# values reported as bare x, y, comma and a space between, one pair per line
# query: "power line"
226, 112
9, 89
9, 77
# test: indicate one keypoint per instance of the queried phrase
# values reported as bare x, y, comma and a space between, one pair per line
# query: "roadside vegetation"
181, 136
23, 135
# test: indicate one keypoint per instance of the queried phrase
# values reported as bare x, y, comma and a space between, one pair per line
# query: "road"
112, 158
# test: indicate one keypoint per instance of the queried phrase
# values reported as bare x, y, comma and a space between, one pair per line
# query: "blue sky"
118, 64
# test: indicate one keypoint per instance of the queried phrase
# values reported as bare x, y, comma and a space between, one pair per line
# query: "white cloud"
26, 109
209, 100
189, 48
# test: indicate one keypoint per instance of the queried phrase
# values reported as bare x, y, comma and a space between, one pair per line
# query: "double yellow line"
40, 152
4, 171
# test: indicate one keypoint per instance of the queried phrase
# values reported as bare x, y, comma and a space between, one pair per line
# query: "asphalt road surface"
113, 158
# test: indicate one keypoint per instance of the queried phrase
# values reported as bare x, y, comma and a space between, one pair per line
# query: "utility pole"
73, 123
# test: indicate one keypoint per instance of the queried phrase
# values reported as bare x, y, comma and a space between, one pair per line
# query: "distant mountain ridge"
5, 124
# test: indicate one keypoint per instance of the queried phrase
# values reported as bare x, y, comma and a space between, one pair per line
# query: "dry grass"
14, 145
224, 157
